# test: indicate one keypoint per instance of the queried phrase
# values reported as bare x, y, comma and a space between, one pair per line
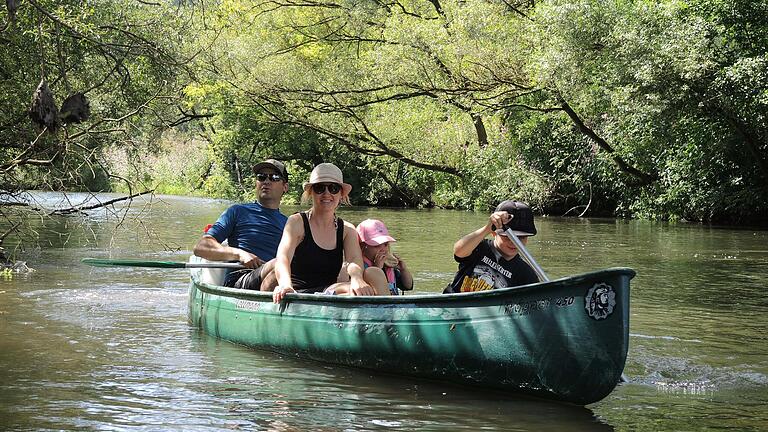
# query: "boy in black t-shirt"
494, 263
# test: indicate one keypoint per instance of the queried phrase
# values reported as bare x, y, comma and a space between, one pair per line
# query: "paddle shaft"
159, 264
521, 249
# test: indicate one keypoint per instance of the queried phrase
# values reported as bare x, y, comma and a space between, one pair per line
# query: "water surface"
110, 348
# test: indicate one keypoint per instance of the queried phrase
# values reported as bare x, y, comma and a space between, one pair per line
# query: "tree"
105, 75
428, 84
674, 86
420, 85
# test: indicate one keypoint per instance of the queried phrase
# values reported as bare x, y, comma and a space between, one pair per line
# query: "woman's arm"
354, 256
293, 233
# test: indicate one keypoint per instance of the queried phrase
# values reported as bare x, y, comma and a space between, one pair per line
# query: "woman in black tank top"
314, 268
316, 242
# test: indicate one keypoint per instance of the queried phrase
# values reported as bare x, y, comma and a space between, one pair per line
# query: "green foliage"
655, 109
122, 55
677, 89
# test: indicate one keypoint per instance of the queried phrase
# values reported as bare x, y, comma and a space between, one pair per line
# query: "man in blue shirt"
252, 230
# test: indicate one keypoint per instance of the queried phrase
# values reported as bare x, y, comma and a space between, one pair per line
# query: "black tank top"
313, 268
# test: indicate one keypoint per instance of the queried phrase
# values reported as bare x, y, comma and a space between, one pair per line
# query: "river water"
86, 348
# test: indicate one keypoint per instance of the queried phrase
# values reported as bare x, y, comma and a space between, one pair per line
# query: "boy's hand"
498, 220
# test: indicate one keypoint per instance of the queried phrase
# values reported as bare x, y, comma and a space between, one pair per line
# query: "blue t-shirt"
252, 228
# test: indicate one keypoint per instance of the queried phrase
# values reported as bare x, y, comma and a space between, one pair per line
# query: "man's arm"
465, 245
210, 248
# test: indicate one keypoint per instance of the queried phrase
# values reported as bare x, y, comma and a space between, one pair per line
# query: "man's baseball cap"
521, 223
274, 164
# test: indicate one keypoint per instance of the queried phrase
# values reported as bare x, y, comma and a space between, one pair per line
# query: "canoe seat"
213, 276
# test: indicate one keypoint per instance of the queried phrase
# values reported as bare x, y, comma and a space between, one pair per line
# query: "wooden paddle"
159, 264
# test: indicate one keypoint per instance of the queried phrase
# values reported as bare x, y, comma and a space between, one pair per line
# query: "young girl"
374, 243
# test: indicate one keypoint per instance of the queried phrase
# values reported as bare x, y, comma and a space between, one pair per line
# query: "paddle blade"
132, 263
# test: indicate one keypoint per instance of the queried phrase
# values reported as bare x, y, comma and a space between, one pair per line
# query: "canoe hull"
565, 340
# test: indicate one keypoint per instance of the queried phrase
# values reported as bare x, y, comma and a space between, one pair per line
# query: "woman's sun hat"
327, 173
373, 232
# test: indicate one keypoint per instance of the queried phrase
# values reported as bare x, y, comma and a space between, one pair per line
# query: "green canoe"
565, 340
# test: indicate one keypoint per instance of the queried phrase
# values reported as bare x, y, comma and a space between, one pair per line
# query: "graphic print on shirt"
486, 275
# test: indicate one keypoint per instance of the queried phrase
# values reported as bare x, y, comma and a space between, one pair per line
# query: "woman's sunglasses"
320, 188
272, 177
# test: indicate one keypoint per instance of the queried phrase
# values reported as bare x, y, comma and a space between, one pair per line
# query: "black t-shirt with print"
485, 268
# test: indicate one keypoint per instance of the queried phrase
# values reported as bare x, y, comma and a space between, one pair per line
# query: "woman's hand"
279, 293
361, 290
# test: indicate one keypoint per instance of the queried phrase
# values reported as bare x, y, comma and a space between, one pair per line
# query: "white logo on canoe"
600, 301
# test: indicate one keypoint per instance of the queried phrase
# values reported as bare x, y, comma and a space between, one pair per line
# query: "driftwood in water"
75, 109
43, 110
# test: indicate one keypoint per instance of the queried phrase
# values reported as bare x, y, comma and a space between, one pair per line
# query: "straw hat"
327, 173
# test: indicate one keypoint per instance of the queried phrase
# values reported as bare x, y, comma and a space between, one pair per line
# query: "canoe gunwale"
407, 299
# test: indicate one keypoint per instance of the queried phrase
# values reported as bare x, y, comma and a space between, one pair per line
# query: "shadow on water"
276, 392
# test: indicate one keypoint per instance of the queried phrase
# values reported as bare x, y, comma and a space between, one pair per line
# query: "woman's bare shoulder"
349, 230
294, 217
294, 224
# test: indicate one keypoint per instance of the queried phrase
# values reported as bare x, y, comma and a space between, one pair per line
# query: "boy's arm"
465, 245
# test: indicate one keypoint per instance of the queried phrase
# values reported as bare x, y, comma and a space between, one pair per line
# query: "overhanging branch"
643, 178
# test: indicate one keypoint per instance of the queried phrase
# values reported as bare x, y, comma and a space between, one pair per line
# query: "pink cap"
373, 232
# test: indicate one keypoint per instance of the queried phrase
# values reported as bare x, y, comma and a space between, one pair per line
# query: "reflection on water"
110, 348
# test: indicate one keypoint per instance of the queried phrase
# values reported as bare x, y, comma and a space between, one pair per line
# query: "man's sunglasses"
320, 188
272, 177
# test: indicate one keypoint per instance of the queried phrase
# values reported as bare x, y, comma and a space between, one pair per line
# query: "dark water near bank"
110, 348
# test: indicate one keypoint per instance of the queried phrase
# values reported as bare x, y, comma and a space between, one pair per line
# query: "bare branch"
82, 209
